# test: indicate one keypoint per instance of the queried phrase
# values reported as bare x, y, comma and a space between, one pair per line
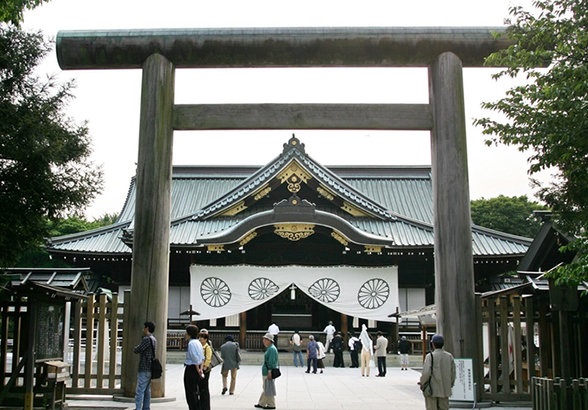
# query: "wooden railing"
95, 348
558, 394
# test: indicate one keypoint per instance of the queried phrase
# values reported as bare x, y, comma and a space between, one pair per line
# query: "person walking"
330, 332
311, 354
267, 399
439, 370
203, 389
366, 351
146, 350
404, 348
231, 359
296, 348
354, 350
380, 352
321, 353
337, 344
193, 367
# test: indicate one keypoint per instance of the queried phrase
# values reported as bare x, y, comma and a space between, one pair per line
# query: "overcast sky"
109, 99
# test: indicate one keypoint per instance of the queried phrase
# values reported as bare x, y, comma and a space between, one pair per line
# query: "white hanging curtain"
364, 292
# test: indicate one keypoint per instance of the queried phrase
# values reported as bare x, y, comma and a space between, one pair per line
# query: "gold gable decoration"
294, 170
294, 184
294, 231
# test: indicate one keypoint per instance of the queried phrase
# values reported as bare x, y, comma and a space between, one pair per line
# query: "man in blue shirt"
193, 367
311, 354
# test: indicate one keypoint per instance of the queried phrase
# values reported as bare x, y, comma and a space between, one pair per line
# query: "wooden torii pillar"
158, 52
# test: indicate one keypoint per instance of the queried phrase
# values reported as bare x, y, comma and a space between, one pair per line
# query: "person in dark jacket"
354, 349
337, 345
404, 348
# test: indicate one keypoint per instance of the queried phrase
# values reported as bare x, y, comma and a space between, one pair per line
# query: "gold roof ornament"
294, 231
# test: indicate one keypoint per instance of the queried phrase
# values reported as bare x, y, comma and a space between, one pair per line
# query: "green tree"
45, 173
11, 10
507, 214
38, 257
547, 114
75, 224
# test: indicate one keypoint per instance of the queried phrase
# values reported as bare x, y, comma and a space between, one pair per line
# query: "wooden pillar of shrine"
149, 274
454, 269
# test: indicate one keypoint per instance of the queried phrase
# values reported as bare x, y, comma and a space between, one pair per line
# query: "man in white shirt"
330, 332
296, 349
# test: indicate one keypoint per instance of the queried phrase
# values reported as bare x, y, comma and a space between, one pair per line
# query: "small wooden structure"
78, 347
55, 376
34, 325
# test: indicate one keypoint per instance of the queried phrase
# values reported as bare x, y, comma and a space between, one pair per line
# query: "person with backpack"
354, 349
295, 342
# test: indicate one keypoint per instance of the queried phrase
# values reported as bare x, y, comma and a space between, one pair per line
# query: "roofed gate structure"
159, 52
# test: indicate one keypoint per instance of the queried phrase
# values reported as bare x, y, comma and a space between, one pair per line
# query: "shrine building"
293, 242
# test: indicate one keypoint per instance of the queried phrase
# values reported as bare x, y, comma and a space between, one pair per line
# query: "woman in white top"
321, 354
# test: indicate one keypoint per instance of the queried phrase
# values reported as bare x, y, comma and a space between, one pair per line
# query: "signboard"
463, 390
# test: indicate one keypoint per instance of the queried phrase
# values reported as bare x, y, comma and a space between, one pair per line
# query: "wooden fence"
510, 361
516, 331
557, 394
95, 348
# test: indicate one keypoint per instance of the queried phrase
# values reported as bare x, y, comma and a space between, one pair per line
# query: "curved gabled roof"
380, 205
293, 159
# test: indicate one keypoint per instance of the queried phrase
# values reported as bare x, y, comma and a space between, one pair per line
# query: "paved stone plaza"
335, 389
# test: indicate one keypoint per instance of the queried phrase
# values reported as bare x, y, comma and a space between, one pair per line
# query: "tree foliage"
11, 10
507, 214
547, 115
44, 168
38, 257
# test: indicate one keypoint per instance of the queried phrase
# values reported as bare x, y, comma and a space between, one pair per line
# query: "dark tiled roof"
395, 205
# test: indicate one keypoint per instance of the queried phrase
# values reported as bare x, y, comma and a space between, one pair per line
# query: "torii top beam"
278, 47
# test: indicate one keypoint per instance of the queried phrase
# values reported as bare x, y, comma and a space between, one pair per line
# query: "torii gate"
159, 52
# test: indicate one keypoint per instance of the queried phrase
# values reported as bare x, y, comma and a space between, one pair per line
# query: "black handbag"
276, 373
156, 367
